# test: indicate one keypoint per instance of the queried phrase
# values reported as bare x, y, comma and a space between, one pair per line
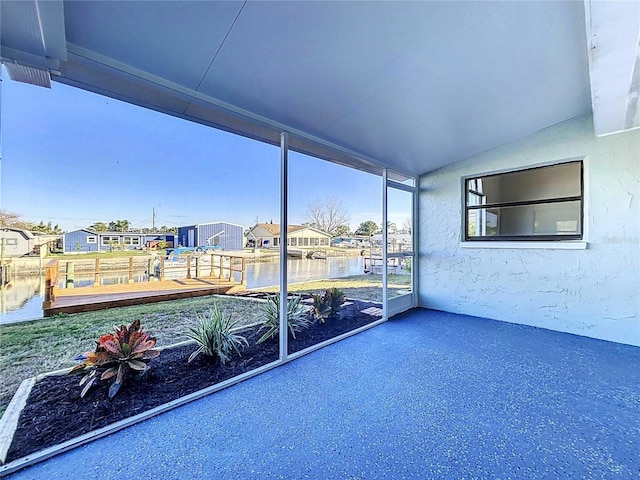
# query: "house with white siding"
267, 235
16, 242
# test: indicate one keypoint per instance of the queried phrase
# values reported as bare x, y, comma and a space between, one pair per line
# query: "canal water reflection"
22, 298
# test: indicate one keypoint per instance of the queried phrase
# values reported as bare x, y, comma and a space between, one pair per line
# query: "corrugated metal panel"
30, 75
228, 235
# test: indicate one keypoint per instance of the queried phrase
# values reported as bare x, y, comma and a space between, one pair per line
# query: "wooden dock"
89, 299
100, 297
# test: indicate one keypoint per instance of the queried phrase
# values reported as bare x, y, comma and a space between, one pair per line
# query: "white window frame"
109, 238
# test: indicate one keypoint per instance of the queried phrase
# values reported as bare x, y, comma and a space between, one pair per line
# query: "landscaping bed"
55, 413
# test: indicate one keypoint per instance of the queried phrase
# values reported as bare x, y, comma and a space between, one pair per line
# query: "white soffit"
613, 35
412, 86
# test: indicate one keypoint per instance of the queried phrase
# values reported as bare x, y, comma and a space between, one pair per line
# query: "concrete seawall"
27, 265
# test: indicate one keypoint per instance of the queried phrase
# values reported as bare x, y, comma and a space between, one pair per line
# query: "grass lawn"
362, 287
39, 346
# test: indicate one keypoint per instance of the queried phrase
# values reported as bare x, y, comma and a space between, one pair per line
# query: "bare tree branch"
328, 215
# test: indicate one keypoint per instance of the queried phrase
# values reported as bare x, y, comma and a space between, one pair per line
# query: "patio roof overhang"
410, 86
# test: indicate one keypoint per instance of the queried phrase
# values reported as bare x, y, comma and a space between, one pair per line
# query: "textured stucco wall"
593, 292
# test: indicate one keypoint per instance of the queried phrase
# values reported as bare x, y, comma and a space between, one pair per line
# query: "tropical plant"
297, 318
120, 355
99, 227
214, 337
321, 309
334, 298
119, 225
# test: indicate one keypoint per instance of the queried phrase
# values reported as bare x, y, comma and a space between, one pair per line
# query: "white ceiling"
408, 85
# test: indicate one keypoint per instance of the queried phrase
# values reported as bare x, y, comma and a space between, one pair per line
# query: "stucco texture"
593, 292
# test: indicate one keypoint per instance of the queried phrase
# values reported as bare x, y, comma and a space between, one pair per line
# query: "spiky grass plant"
297, 317
334, 298
120, 355
213, 333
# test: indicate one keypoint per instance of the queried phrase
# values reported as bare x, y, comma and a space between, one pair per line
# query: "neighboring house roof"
220, 221
114, 233
211, 223
88, 230
274, 228
25, 233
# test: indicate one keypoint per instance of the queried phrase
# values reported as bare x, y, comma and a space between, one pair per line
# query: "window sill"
567, 245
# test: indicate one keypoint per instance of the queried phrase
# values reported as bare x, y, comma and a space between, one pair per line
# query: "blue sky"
74, 158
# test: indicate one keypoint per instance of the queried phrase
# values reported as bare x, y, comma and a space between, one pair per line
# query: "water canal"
22, 299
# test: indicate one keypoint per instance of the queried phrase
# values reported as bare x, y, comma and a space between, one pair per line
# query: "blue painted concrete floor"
425, 395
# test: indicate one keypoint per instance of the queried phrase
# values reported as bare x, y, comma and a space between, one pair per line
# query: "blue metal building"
229, 236
87, 240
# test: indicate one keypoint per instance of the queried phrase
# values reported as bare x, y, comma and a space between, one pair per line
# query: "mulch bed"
55, 412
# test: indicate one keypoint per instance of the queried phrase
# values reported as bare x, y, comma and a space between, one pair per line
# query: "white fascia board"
51, 20
613, 32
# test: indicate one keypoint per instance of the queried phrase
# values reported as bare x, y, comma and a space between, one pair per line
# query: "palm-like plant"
297, 318
214, 335
334, 298
321, 310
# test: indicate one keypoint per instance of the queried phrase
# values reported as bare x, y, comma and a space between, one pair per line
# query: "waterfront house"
16, 241
228, 236
267, 235
86, 240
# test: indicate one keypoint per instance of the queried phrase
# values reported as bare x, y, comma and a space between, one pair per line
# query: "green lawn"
39, 346
363, 287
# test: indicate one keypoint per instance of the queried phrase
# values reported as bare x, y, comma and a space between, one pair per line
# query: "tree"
10, 219
341, 231
406, 225
48, 229
99, 227
392, 228
13, 220
119, 225
327, 215
367, 228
